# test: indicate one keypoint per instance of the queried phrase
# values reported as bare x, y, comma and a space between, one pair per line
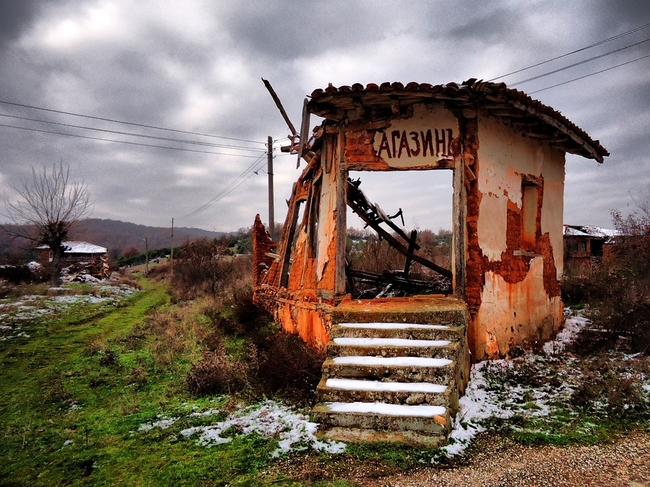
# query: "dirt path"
625, 463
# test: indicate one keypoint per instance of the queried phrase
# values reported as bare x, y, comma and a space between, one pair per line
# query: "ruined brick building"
507, 154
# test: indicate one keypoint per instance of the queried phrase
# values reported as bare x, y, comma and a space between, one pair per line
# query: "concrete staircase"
394, 370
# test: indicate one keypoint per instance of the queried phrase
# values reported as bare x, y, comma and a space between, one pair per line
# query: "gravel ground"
624, 462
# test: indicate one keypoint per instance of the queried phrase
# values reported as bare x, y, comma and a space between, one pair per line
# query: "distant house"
75, 252
584, 248
81, 258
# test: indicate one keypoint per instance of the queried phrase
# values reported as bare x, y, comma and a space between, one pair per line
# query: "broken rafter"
372, 212
402, 282
396, 244
278, 103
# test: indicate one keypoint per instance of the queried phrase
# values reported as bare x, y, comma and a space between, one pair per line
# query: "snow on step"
386, 409
393, 361
389, 342
379, 386
394, 326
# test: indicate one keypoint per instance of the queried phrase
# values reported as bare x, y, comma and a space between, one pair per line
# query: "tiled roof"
514, 107
76, 247
589, 231
574, 232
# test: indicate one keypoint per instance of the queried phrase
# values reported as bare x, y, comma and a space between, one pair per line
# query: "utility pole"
146, 255
171, 253
270, 174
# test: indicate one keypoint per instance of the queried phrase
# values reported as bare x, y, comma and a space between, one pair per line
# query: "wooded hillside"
115, 235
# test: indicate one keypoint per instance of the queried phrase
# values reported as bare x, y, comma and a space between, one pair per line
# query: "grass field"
78, 386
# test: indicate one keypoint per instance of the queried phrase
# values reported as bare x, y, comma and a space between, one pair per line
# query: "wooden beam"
278, 103
411, 249
396, 244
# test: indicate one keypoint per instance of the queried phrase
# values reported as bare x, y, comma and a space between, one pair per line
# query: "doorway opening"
399, 238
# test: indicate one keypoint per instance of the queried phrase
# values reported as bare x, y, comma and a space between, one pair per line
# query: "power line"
618, 36
238, 181
4, 102
578, 63
118, 132
124, 141
230, 188
592, 74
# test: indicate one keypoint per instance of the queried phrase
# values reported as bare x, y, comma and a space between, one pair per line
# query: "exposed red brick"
263, 244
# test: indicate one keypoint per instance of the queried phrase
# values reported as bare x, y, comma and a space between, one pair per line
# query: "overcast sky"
196, 66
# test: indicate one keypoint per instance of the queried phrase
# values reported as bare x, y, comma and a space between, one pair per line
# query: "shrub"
618, 293
216, 373
205, 267
288, 367
246, 354
171, 334
607, 384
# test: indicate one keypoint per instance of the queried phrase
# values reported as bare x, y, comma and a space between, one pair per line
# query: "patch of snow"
81, 298
393, 361
271, 419
477, 405
209, 412
632, 356
393, 326
21, 334
386, 409
87, 278
389, 342
163, 423
482, 403
375, 385
572, 327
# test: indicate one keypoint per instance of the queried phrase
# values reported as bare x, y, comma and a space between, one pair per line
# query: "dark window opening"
597, 248
529, 199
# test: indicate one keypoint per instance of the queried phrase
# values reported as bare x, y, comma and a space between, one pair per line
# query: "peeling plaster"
492, 226
516, 314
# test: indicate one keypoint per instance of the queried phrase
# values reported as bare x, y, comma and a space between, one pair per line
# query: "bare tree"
48, 206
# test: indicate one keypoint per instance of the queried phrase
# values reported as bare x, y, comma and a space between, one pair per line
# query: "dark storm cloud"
488, 26
626, 13
15, 16
285, 29
197, 67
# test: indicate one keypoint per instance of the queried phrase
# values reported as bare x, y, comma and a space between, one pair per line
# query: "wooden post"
409, 259
146, 256
270, 174
171, 253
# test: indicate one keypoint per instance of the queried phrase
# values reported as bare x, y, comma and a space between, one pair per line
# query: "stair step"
388, 342
378, 386
393, 361
394, 326
383, 409
391, 347
424, 309
403, 369
394, 369
430, 419
416, 331
411, 393
366, 435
